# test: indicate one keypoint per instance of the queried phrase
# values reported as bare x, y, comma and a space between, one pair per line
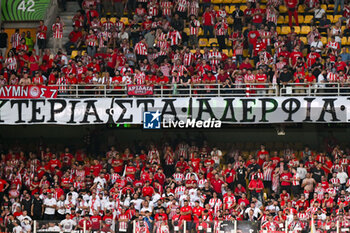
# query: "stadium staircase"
66, 17
282, 28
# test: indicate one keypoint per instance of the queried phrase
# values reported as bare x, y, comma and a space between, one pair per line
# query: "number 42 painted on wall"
26, 6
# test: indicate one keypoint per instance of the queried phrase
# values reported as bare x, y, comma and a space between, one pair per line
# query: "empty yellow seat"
305, 30
232, 9
243, 7
113, 20
301, 19
227, 1
201, 32
187, 31
324, 7
344, 41
336, 18
308, 18
216, 1
330, 8
303, 39
330, 17
280, 20
216, 7
125, 20
213, 41
282, 9
74, 54
285, 30
230, 20
227, 8
301, 8
203, 42
236, 1
297, 29
193, 51
103, 20
278, 30
348, 41
324, 41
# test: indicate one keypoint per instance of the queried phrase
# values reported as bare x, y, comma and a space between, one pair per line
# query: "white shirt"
320, 81
60, 207
137, 203
319, 12
50, 202
54, 228
67, 225
318, 45
301, 172
342, 176
256, 211
17, 229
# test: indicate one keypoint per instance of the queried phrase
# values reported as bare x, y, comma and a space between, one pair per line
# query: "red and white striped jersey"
57, 30
221, 13
278, 50
175, 37
216, 204
108, 25
123, 226
182, 5
229, 202
202, 182
302, 216
333, 45
188, 59
267, 34
140, 78
11, 63
215, 57
91, 39
221, 28
194, 7
141, 48
180, 190
295, 181
102, 38
270, 226
249, 78
180, 71
271, 16
153, 9
119, 26
267, 170
15, 40
166, 7
332, 77
194, 30
178, 177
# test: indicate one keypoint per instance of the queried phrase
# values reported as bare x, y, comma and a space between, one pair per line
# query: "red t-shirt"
2, 185
285, 176
186, 217
217, 185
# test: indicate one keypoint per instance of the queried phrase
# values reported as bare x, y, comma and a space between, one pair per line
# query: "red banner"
27, 92
140, 90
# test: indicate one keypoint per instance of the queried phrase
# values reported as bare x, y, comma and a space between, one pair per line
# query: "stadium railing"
206, 90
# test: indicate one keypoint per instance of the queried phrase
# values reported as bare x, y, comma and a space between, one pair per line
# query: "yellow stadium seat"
324, 7
282, 9
303, 39
348, 41
236, 1
125, 20
343, 28
330, 8
230, 53
263, 6
305, 30
301, 8
83, 52
230, 20
285, 30
263, 1
103, 20
225, 51
330, 17
297, 29
216, 1
280, 20
227, 8
74, 54
344, 41
216, 7
113, 20
193, 51
301, 19
227, 1
286, 19
203, 42
187, 31
245, 52
308, 18
336, 18
278, 30
201, 32
324, 40
243, 7
213, 41
232, 9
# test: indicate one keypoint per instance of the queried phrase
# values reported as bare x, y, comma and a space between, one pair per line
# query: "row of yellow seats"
75, 53
204, 42
307, 19
125, 20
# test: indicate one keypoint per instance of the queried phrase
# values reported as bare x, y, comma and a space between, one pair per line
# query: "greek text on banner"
244, 110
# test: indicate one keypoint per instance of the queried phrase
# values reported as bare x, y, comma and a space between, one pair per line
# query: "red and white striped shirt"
91, 40
271, 16
268, 173
180, 190
229, 202
119, 26
302, 216
108, 25
267, 34
215, 57
175, 37
179, 177
188, 59
11, 63
57, 30
140, 78
194, 30
166, 7
332, 77
194, 8
249, 78
141, 48
216, 204
182, 5
221, 28
153, 9
15, 40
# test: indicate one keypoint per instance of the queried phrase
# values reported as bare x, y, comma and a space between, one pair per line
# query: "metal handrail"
207, 90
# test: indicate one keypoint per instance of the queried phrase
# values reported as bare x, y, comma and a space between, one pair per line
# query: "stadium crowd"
159, 42
161, 186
